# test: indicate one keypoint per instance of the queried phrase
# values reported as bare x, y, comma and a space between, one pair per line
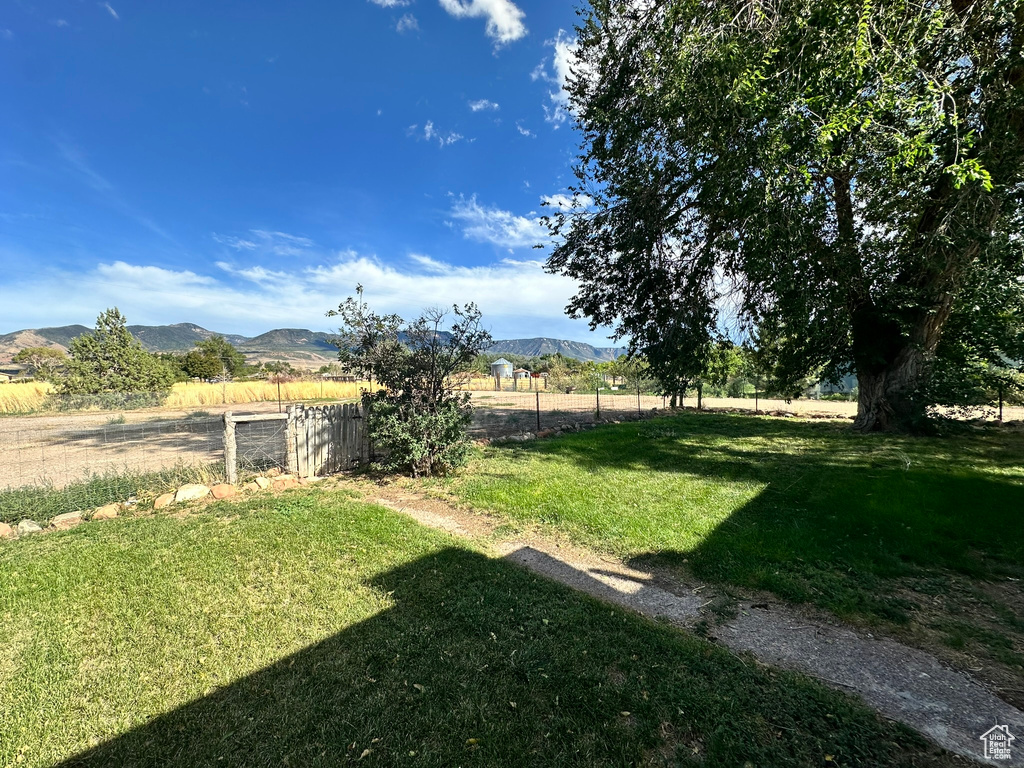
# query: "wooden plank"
303, 443
318, 461
307, 469
338, 464
230, 450
343, 441
350, 437
313, 442
289, 441
245, 418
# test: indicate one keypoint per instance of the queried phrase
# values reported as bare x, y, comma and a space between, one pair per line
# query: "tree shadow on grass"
481, 663
838, 514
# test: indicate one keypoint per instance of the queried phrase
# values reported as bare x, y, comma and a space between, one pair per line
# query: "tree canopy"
111, 360
43, 362
416, 420
842, 178
214, 357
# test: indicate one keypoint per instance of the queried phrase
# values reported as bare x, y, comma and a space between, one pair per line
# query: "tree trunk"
888, 398
892, 368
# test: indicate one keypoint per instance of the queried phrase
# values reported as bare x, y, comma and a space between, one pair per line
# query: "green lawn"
870, 527
309, 629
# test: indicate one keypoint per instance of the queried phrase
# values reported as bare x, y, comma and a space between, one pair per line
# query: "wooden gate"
320, 440
325, 439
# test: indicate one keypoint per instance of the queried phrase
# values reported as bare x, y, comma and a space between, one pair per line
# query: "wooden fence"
317, 441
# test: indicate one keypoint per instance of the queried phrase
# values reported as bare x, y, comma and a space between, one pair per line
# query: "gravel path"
901, 683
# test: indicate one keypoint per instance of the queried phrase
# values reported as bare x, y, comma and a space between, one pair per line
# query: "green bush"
409, 437
417, 421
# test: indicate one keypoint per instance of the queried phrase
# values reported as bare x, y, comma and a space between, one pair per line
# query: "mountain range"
300, 347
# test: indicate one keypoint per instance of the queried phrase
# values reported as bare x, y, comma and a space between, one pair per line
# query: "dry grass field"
30, 397
22, 398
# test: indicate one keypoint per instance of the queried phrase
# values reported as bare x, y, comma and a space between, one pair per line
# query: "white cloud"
518, 299
482, 104
493, 225
407, 23
565, 203
6, 34
110, 9
525, 131
430, 133
238, 243
391, 3
61, 22
562, 71
267, 242
504, 18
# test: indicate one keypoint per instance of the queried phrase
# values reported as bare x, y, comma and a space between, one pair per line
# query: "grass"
871, 528
44, 502
22, 397
31, 397
309, 629
193, 395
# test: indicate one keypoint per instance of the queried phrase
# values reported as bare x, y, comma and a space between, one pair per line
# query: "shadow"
823, 514
479, 662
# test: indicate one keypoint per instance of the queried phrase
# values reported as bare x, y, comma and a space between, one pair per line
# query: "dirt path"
901, 683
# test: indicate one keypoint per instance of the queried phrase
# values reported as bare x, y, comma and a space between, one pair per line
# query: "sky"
243, 165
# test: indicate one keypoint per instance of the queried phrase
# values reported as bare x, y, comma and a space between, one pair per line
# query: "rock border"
185, 494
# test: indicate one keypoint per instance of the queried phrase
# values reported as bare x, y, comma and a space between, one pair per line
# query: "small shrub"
413, 439
418, 421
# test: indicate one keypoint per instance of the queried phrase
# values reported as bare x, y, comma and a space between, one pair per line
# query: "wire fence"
84, 460
507, 413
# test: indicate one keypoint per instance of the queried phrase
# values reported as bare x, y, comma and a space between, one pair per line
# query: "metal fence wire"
110, 454
261, 445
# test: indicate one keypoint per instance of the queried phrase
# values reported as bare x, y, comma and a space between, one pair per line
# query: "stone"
66, 521
284, 482
251, 487
223, 491
163, 500
273, 472
546, 433
28, 527
191, 492
110, 511
106, 512
6, 532
262, 482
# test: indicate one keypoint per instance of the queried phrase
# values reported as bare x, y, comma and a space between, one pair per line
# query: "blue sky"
242, 165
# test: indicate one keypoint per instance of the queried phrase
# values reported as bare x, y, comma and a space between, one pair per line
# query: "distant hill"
287, 339
544, 346
179, 337
298, 346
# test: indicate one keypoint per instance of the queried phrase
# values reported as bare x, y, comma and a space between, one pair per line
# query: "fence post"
599, 402
639, 410
1000, 402
538, 411
230, 450
291, 443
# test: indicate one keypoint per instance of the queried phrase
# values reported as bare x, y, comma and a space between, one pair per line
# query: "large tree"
110, 361
44, 363
839, 176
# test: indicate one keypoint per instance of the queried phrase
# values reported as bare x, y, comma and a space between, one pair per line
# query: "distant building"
520, 373
501, 369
